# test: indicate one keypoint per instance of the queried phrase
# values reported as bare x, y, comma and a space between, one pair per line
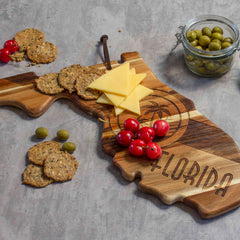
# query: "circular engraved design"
166, 106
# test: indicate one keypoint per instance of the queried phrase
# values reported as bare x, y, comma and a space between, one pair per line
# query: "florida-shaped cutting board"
200, 164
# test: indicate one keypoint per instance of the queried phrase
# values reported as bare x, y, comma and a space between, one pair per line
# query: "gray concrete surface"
98, 203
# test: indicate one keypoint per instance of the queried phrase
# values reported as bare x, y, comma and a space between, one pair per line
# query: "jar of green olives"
210, 43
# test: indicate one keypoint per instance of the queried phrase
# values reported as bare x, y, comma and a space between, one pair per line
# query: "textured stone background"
99, 203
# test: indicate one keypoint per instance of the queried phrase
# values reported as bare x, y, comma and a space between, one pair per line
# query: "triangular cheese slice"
103, 99
118, 110
142, 92
131, 103
135, 79
115, 81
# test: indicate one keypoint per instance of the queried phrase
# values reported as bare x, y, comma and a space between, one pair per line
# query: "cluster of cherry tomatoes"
139, 140
9, 47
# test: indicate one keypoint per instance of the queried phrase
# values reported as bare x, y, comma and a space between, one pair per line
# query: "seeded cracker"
60, 166
82, 82
45, 52
67, 76
33, 175
48, 83
38, 153
27, 37
17, 56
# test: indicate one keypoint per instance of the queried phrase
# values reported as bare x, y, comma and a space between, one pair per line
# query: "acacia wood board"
200, 164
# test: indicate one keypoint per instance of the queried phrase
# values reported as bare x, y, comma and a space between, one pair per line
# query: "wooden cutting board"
200, 164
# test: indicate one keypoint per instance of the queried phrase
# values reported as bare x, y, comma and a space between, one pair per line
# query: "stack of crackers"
31, 44
48, 164
75, 78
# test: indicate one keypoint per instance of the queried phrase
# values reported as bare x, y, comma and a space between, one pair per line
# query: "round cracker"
48, 83
27, 37
45, 52
84, 80
60, 166
33, 175
68, 75
38, 153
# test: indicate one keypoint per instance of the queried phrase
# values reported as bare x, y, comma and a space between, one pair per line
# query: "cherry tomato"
131, 125
153, 151
146, 134
160, 127
125, 137
4, 55
11, 45
137, 147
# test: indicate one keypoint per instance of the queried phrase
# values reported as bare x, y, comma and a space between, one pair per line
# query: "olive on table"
63, 134
217, 30
70, 147
204, 41
41, 132
207, 31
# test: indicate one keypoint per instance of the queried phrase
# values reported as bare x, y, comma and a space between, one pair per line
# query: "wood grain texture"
200, 162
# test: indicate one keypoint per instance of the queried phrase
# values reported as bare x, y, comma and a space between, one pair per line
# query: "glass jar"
210, 63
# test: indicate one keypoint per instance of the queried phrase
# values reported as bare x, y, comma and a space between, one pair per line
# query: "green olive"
189, 57
41, 132
217, 30
223, 69
199, 47
226, 44
217, 40
207, 49
201, 70
194, 42
217, 35
207, 31
191, 36
198, 32
214, 46
63, 134
228, 39
211, 66
204, 41
198, 63
70, 147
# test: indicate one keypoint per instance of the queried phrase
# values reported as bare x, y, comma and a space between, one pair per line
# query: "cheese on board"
134, 80
103, 99
142, 92
131, 103
115, 81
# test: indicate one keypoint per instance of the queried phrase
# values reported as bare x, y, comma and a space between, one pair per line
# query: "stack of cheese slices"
121, 88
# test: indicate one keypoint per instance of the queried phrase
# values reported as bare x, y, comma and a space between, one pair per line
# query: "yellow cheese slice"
142, 92
131, 102
115, 81
135, 79
118, 110
103, 99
